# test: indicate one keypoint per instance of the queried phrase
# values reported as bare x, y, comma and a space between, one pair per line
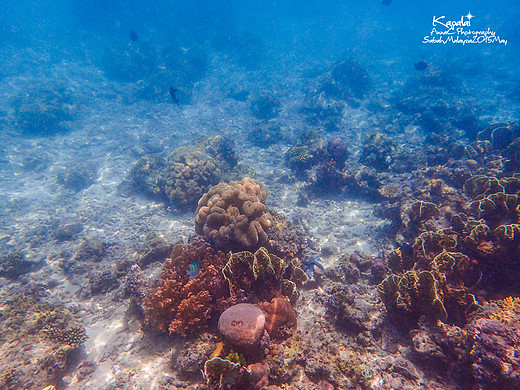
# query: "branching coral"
232, 216
74, 336
182, 305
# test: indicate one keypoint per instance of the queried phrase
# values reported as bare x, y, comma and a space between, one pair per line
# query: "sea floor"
50, 224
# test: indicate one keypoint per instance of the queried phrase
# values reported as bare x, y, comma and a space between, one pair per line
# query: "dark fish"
387, 2
174, 96
421, 65
133, 36
194, 269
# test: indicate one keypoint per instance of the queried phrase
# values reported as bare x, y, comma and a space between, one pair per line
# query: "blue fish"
194, 269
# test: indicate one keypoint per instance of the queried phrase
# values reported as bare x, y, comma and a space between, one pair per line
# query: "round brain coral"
232, 216
242, 324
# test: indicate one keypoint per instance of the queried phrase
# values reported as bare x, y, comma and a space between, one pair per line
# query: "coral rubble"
37, 337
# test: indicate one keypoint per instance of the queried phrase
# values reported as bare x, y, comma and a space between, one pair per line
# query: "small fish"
421, 65
387, 2
174, 96
133, 36
194, 269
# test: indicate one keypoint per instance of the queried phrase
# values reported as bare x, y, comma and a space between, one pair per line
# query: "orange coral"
233, 216
280, 317
182, 305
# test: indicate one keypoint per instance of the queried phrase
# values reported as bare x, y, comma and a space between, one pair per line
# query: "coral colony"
454, 246
213, 277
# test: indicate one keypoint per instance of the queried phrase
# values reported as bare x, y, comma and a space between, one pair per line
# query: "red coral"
182, 305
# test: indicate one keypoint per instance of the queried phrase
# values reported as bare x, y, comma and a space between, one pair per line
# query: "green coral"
413, 293
236, 357
260, 275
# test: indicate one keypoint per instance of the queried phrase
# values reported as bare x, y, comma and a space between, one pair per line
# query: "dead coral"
232, 216
182, 305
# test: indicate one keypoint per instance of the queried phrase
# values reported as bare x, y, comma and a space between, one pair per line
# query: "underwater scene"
249, 194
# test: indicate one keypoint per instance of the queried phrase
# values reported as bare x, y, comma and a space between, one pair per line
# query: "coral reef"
74, 336
433, 100
280, 317
44, 108
37, 337
338, 152
77, 178
480, 354
354, 310
222, 373
146, 176
308, 150
182, 305
14, 264
347, 80
187, 175
463, 237
100, 282
261, 276
232, 216
90, 250
265, 134
500, 135
222, 149
378, 152
67, 228
154, 248
265, 107
190, 358
326, 113
242, 324
286, 240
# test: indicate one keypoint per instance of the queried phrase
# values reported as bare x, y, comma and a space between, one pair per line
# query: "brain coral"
242, 324
232, 216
